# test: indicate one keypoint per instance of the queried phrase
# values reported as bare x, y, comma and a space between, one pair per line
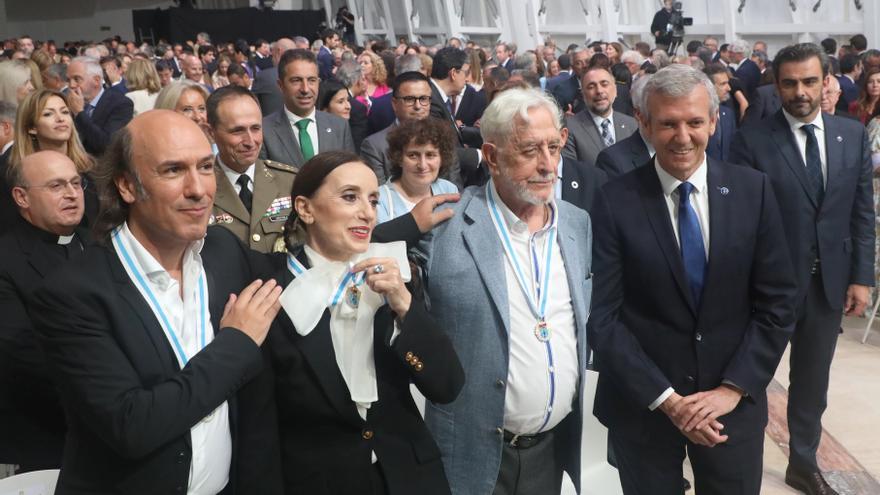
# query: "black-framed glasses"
58, 186
411, 100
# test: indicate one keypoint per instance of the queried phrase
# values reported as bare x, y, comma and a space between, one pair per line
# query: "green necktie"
305, 142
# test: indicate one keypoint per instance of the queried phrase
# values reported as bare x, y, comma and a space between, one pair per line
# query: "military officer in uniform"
253, 195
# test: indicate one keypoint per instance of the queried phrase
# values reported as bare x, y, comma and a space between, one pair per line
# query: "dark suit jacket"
8, 210
469, 168
113, 112
470, 106
263, 63
129, 406
623, 156
764, 103
325, 63
719, 143
648, 333
29, 404
357, 122
265, 88
581, 183
749, 75
849, 92
585, 140
300, 406
120, 88
381, 114
623, 103
840, 230
555, 80
568, 92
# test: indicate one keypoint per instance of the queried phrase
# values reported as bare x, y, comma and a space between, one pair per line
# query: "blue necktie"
89, 110
693, 252
449, 107
814, 162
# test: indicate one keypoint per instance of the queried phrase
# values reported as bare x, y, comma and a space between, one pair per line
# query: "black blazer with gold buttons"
300, 431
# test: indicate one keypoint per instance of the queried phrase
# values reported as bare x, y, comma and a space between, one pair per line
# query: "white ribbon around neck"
351, 330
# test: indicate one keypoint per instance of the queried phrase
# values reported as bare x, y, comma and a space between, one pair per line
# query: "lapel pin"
574, 184
329, 130
723, 190
839, 139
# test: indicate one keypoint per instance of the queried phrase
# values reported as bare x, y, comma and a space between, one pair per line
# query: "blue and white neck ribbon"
143, 286
538, 297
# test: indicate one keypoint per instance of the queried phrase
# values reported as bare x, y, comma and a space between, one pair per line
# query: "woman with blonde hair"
15, 81
188, 98
375, 74
143, 84
44, 122
474, 76
220, 78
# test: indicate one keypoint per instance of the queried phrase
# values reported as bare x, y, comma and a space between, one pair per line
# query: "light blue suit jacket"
468, 295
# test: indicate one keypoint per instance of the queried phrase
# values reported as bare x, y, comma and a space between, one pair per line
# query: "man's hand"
856, 299
699, 410
425, 216
676, 408
253, 310
709, 436
75, 101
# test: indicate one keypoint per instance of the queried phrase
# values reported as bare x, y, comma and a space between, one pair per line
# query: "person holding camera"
660, 26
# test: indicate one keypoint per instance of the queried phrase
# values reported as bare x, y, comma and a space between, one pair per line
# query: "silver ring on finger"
378, 269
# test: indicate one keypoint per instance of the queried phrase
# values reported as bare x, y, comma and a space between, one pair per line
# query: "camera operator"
660, 26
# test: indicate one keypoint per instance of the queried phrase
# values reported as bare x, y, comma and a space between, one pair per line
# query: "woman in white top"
419, 151
143, 84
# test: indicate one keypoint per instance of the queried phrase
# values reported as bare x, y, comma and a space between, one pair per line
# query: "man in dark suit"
634, 151
315, 131
748, 72
113, 74
579, 183
262, 58
820, 167
850, 72
469, 106
660, 26
698, 303
350, 74
503, 56
326, 60
830, 47
97, 113
8, 210
49, 196
265, 86
448, 80
148, 385
725, 125
568, 93
381, 112
764, 103
598, 126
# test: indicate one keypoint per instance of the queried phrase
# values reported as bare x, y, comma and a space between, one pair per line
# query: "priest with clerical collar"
48, 192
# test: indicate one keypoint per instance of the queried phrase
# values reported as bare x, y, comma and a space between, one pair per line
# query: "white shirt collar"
294, 118
232, 175
796, 124
6, 147
440, 90
94, 101
597, 119
670, 183
513, 222
149, 265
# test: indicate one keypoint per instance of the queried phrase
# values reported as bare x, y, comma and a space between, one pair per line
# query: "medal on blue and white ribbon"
348, 285
537, 299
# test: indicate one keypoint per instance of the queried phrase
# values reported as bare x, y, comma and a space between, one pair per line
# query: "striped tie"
607, 137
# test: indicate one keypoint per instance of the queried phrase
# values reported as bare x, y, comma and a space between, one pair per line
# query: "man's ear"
127, 188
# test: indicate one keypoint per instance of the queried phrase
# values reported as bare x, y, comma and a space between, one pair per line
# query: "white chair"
33, 483
597, 476
871, 319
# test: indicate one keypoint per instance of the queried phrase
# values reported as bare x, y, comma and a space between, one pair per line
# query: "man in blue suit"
325, 54
820, 167
509, 280
850, 72
725, 126
696, 303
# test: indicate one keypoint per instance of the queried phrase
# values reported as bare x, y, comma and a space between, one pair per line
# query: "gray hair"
349, 73
632, 56
7, 111
92, 65
499, 120
408, 63
205, 36
58, 71
739, 46
761, 56
170, 94
676, 81
526, 61
13, 75
96, 51
660, 58
301, 40
637, 92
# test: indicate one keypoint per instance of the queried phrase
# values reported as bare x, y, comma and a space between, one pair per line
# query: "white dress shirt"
597, 119
527, 403
211, 438
312, 129
233, 176
800, 137
700, 203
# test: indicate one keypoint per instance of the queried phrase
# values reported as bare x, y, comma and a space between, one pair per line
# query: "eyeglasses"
411, 100
57, 186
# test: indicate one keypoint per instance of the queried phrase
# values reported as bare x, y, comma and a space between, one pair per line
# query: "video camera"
675, 27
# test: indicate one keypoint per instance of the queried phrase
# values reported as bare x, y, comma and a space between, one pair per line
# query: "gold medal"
542, 331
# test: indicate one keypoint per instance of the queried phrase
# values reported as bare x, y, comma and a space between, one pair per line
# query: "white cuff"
665, 395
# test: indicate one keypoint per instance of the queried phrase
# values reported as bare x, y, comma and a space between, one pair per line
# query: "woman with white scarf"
332, 412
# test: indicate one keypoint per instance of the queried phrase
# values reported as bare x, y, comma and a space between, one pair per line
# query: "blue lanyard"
154, 303
297, 268
537, 300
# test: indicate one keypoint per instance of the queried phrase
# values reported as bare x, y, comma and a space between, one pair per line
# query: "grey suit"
468, 294
585, 141
280, 145
266, 89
